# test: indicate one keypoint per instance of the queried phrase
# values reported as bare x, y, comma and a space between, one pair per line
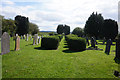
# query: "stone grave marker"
93, 42
27, 37
38, 39
17, 43
23, 36
118, 48
87, 40
108, 45
35, 40
5, 43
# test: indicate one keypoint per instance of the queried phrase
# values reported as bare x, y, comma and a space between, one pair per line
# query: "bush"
76, 43
60, 37
68, 36
50, 42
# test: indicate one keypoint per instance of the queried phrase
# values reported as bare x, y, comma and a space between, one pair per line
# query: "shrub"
50, 42
76, 43
68, 36
60, 37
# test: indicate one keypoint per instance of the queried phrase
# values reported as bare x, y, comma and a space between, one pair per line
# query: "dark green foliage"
63, 29
110, 29
76, 43
93, 25
22, 24
66, 29
8, 25
50, 42
60, 37
78, 31
52, 33
33, 28
60, 29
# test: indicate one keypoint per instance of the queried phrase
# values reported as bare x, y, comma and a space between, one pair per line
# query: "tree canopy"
78, 31
109, 29
93, 25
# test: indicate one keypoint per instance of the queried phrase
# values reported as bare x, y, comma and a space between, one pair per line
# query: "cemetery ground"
33, 62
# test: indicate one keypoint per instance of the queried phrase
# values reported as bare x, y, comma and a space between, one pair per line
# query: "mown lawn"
33, 62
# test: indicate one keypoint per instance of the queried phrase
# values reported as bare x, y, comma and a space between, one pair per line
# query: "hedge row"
51, 42
75, 43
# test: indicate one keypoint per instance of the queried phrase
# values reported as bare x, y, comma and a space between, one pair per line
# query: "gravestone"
5, 43
17, 43
104, 41
27, 37
35, 40
87, 40
93, 42
108, 45
21, 37
118, 48
38, 39
16, 34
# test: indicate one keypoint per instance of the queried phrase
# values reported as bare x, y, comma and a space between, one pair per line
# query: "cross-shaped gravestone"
92, 42
17, 43
35, 40
5, 43
108, 45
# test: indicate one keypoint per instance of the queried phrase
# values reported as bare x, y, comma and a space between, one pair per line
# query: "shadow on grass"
66, 46
28, 44
117, 60
69, 51
40, 48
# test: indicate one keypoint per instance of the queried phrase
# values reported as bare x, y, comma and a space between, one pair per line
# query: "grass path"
32, 62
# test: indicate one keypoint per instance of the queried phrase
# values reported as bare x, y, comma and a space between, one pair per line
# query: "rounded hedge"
76, 43
50, 42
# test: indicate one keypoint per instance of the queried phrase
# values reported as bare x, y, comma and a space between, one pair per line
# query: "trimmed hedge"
50, 42
60, 37
76, 43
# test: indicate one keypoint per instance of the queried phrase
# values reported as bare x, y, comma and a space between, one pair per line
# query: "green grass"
32, 62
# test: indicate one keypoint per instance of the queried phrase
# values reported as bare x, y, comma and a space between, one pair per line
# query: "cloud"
47, 14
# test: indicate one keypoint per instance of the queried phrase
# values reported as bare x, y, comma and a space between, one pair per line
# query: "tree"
78, 31
109, 29
8, 25
33, 28
22, 24
66, 30
60, 29
93, 25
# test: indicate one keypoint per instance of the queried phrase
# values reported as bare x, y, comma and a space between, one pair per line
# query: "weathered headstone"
38, 39
104, 41
87, 40
17, 43
92, 42
5, 43
108, 45
35, 40
16, 34
27, 37
21, 37
118, 48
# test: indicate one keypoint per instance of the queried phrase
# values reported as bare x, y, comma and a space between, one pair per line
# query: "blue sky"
47, 14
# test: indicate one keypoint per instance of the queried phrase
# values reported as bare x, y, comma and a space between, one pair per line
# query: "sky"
48, 14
